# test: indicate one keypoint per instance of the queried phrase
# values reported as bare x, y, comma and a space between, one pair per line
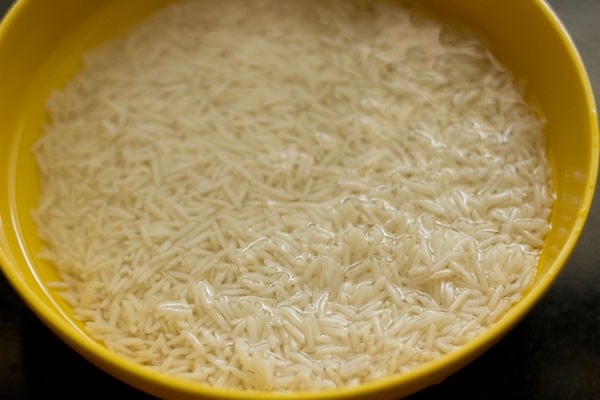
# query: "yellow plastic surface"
41, 43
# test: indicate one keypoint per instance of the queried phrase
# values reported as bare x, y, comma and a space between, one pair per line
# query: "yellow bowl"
40, 47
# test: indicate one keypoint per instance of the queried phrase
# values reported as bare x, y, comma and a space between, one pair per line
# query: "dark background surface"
554, 353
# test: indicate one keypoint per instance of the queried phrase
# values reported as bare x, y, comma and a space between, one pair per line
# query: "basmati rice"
291, 195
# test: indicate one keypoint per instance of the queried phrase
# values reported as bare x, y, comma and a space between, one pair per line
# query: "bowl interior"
40, 48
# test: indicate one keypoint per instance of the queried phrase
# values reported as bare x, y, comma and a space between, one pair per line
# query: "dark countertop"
554, 353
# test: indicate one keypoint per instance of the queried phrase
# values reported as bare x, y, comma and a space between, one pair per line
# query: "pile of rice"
291, 195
